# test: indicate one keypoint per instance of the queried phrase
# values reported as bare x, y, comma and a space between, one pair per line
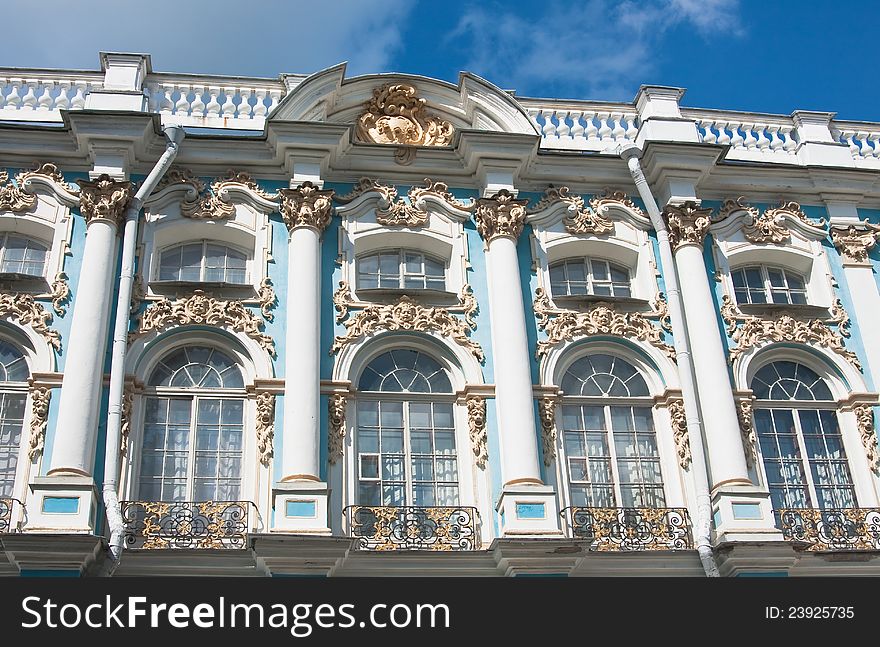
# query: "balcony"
384, 528
630, 529
183, 525
7, 518
847, 529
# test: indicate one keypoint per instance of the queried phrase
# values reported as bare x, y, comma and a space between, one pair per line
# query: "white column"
527, 506
302, 362
727, 461
853, 240
73, 451
300, 498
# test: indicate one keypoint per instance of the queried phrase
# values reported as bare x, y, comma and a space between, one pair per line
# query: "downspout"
174, 135
702, 527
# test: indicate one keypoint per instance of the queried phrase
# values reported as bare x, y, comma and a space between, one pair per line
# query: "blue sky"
771, 56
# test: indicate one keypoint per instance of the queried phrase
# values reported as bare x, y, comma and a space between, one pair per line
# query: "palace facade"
389, 325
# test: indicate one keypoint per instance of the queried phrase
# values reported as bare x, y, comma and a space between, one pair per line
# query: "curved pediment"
404, 109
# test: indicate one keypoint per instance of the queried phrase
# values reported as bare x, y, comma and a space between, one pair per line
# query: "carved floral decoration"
394, 211
40, 397
29, 313
125, 419
336, 435
547, 414
602, 318
267, 299
748, 331
306, 206
769, 226
476, 409
687, 224
12, 197
746, 419
680, 432
265, 426
215, 203
60, 294
865, 419
395, 115
104, 199
854, 242
200, 309
500, 215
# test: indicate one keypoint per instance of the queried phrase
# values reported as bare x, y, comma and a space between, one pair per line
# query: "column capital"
854, 241
104, 199
687, 224
502, 215
306, 206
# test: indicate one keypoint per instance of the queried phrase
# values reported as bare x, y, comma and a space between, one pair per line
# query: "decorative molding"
687, 224
180, 176
265, 426
745, 416
469, 304
395, 115
306, 206
406, 314
678, 420
216, 202
16, 305
336, 434
126, 417
342, 300
267, 299
60, 294
104, 199
200, 309
854, 242
547, 413
757, 227
502, 215
12, 197
394, 211
138, 294
865, 419
368, 185
602, 318
755, 330
476, 410
581, 220
40, 397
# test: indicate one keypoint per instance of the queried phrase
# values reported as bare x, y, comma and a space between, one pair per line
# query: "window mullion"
407, 456
191, 458
805, 459
615, 473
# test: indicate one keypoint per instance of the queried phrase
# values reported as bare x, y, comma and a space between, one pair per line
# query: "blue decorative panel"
60, 504
530, 511
746, 511
301, 509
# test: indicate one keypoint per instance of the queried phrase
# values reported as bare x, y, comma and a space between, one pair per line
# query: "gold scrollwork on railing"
631, 529
152, 525
441, 528
832, 530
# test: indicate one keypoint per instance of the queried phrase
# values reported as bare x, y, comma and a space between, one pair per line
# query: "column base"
743, 513
300, 507
63, 503
528, 510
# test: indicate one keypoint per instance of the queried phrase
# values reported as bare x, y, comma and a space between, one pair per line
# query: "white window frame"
401, 253
587, 262
768, 288
204, 242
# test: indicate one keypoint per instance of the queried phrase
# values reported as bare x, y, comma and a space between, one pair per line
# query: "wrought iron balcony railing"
7, 508
186, 524
414, 528
630, 529
832, 529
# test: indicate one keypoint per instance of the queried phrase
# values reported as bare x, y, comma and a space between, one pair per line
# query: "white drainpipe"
702, 526
175, 135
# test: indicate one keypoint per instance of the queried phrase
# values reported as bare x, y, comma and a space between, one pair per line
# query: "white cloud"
221, 36
598, 48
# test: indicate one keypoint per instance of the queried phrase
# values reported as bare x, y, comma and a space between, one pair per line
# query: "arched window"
203, 262
401, 268
767, 284
21, 255
595, 276
609, 444
801, 446
13, 395
405, 432
193, 428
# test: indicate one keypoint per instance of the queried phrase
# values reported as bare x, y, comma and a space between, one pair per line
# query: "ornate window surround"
241, 220
473, 481
621, 235
140, 367
663, 388
849, 392
49, 220
441, 235
800, 251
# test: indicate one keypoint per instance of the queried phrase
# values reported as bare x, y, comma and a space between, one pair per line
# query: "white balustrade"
38, 96
749, 136
863, 139
580, 127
